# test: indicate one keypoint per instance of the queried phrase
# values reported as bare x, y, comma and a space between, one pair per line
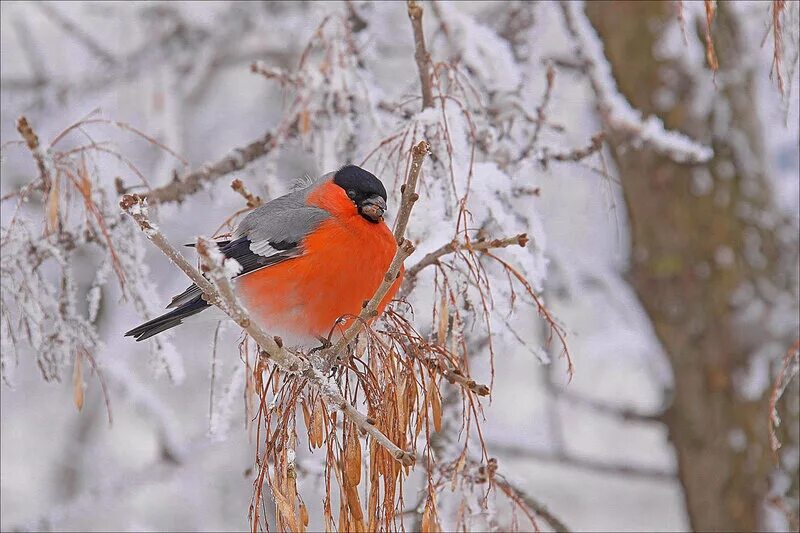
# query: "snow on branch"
217, 290
617, 113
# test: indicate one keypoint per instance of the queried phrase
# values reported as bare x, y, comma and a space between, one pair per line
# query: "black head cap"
359, 182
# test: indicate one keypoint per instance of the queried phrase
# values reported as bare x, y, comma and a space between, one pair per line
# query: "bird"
309, 259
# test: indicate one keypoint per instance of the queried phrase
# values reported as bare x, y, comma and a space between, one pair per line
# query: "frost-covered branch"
217, 290
617, 113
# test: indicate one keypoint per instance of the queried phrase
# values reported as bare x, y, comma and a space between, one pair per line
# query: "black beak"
373, 208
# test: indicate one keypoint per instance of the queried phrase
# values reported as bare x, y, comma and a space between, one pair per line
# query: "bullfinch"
308, 258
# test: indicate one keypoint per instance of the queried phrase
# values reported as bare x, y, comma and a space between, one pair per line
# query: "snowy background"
158, 466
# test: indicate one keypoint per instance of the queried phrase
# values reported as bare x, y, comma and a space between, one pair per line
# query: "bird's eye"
351, 193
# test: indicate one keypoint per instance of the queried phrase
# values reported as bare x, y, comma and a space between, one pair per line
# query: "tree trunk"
707, 272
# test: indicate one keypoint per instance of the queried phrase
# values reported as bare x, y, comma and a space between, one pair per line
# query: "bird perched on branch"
308, 259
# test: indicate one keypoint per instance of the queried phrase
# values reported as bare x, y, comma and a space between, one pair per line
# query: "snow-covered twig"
408, 192
617, 113
217, 290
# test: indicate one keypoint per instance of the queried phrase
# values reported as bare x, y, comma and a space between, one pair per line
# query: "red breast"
344, 262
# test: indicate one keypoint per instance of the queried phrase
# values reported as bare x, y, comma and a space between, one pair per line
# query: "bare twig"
536, 506
711, 54
567, 459
193, 181
540, 111
454, 375
421, 55
624, 413
217, 290
777, 38
32, 142
477, 246
578, 154
253, 200
681, 20
274, 73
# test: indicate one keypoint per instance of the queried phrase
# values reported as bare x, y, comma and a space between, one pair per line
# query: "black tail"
168, 320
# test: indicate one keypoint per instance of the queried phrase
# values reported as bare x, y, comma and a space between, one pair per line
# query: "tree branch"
252, 200
405, 248
616, 112
483, 245
78, 33
32, 142
577, 154
625, 413
536, 506
193, 181
408, 191
217, 290
567, 459
421, 55
541, 118
478, 246
454, 375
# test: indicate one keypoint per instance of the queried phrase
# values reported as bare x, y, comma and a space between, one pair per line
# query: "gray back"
286, 219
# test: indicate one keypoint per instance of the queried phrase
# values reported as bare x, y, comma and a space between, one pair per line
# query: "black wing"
190, 302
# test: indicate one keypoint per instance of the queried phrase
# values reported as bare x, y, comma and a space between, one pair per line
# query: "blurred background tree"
714, 262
